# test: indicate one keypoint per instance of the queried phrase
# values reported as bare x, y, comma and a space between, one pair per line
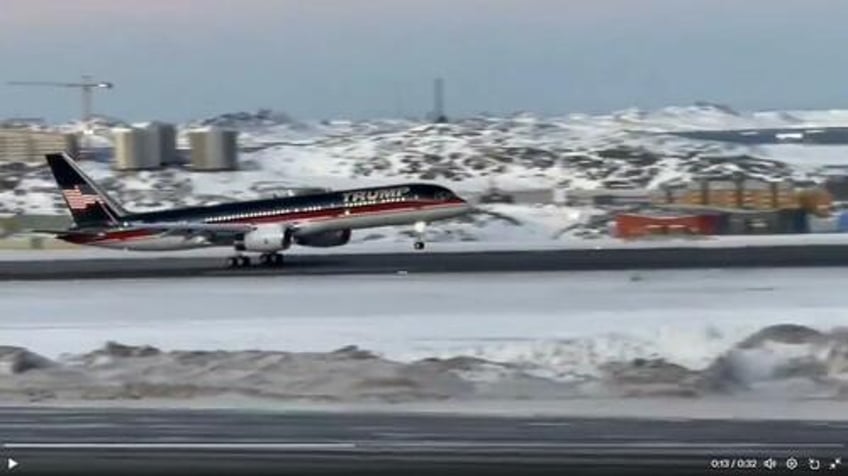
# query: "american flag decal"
79, 200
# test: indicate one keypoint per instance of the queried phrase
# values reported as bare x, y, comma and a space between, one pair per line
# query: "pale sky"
180, 59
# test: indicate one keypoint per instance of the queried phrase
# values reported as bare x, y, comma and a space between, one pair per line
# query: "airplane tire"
419, 245
232, 262
244, 261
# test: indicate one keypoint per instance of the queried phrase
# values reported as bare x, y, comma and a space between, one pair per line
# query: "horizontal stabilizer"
47, 232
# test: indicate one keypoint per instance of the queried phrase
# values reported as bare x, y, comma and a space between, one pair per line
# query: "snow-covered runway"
686, 316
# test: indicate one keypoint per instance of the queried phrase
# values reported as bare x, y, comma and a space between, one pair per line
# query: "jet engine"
326, 239
266, 238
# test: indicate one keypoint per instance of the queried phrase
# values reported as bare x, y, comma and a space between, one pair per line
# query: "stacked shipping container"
749, 194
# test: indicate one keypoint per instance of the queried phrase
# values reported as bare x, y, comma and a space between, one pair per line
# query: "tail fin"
87, 202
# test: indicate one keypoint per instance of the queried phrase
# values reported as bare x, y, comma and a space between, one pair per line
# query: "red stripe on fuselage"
128, 235
117, 235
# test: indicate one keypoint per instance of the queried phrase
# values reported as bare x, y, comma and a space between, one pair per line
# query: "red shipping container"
629, 225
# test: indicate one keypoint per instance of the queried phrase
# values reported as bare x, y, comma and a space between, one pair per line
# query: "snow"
478, 336
518, 152
805, 157
548, 337
514, 153
822, 412
538, 318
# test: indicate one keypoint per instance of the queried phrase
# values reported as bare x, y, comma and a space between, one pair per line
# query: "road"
453, 262
781, 135
112, 441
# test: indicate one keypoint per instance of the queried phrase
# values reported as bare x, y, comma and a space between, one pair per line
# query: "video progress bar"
180, 446
348, 445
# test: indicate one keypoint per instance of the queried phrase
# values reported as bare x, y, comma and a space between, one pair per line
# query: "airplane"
265, 226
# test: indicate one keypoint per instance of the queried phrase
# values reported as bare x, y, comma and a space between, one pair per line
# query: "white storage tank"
213, 149
131, 150
160, 142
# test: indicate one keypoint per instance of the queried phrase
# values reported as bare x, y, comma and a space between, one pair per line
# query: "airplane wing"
218, 230
217, 233
194, 227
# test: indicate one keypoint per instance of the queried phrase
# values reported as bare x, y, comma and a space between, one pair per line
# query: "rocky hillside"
630, 149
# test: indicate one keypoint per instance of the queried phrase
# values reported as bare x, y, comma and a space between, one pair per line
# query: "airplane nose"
465, 206
459, 204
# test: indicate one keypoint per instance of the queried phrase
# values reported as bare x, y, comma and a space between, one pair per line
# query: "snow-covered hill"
626, 149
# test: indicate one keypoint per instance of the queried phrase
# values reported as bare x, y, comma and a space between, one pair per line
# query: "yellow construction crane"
86, 86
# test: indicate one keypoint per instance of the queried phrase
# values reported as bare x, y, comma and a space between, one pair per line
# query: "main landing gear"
238, 261
265, 259
271, 259
420, 227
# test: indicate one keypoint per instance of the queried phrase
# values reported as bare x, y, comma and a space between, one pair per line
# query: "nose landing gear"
420, 228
